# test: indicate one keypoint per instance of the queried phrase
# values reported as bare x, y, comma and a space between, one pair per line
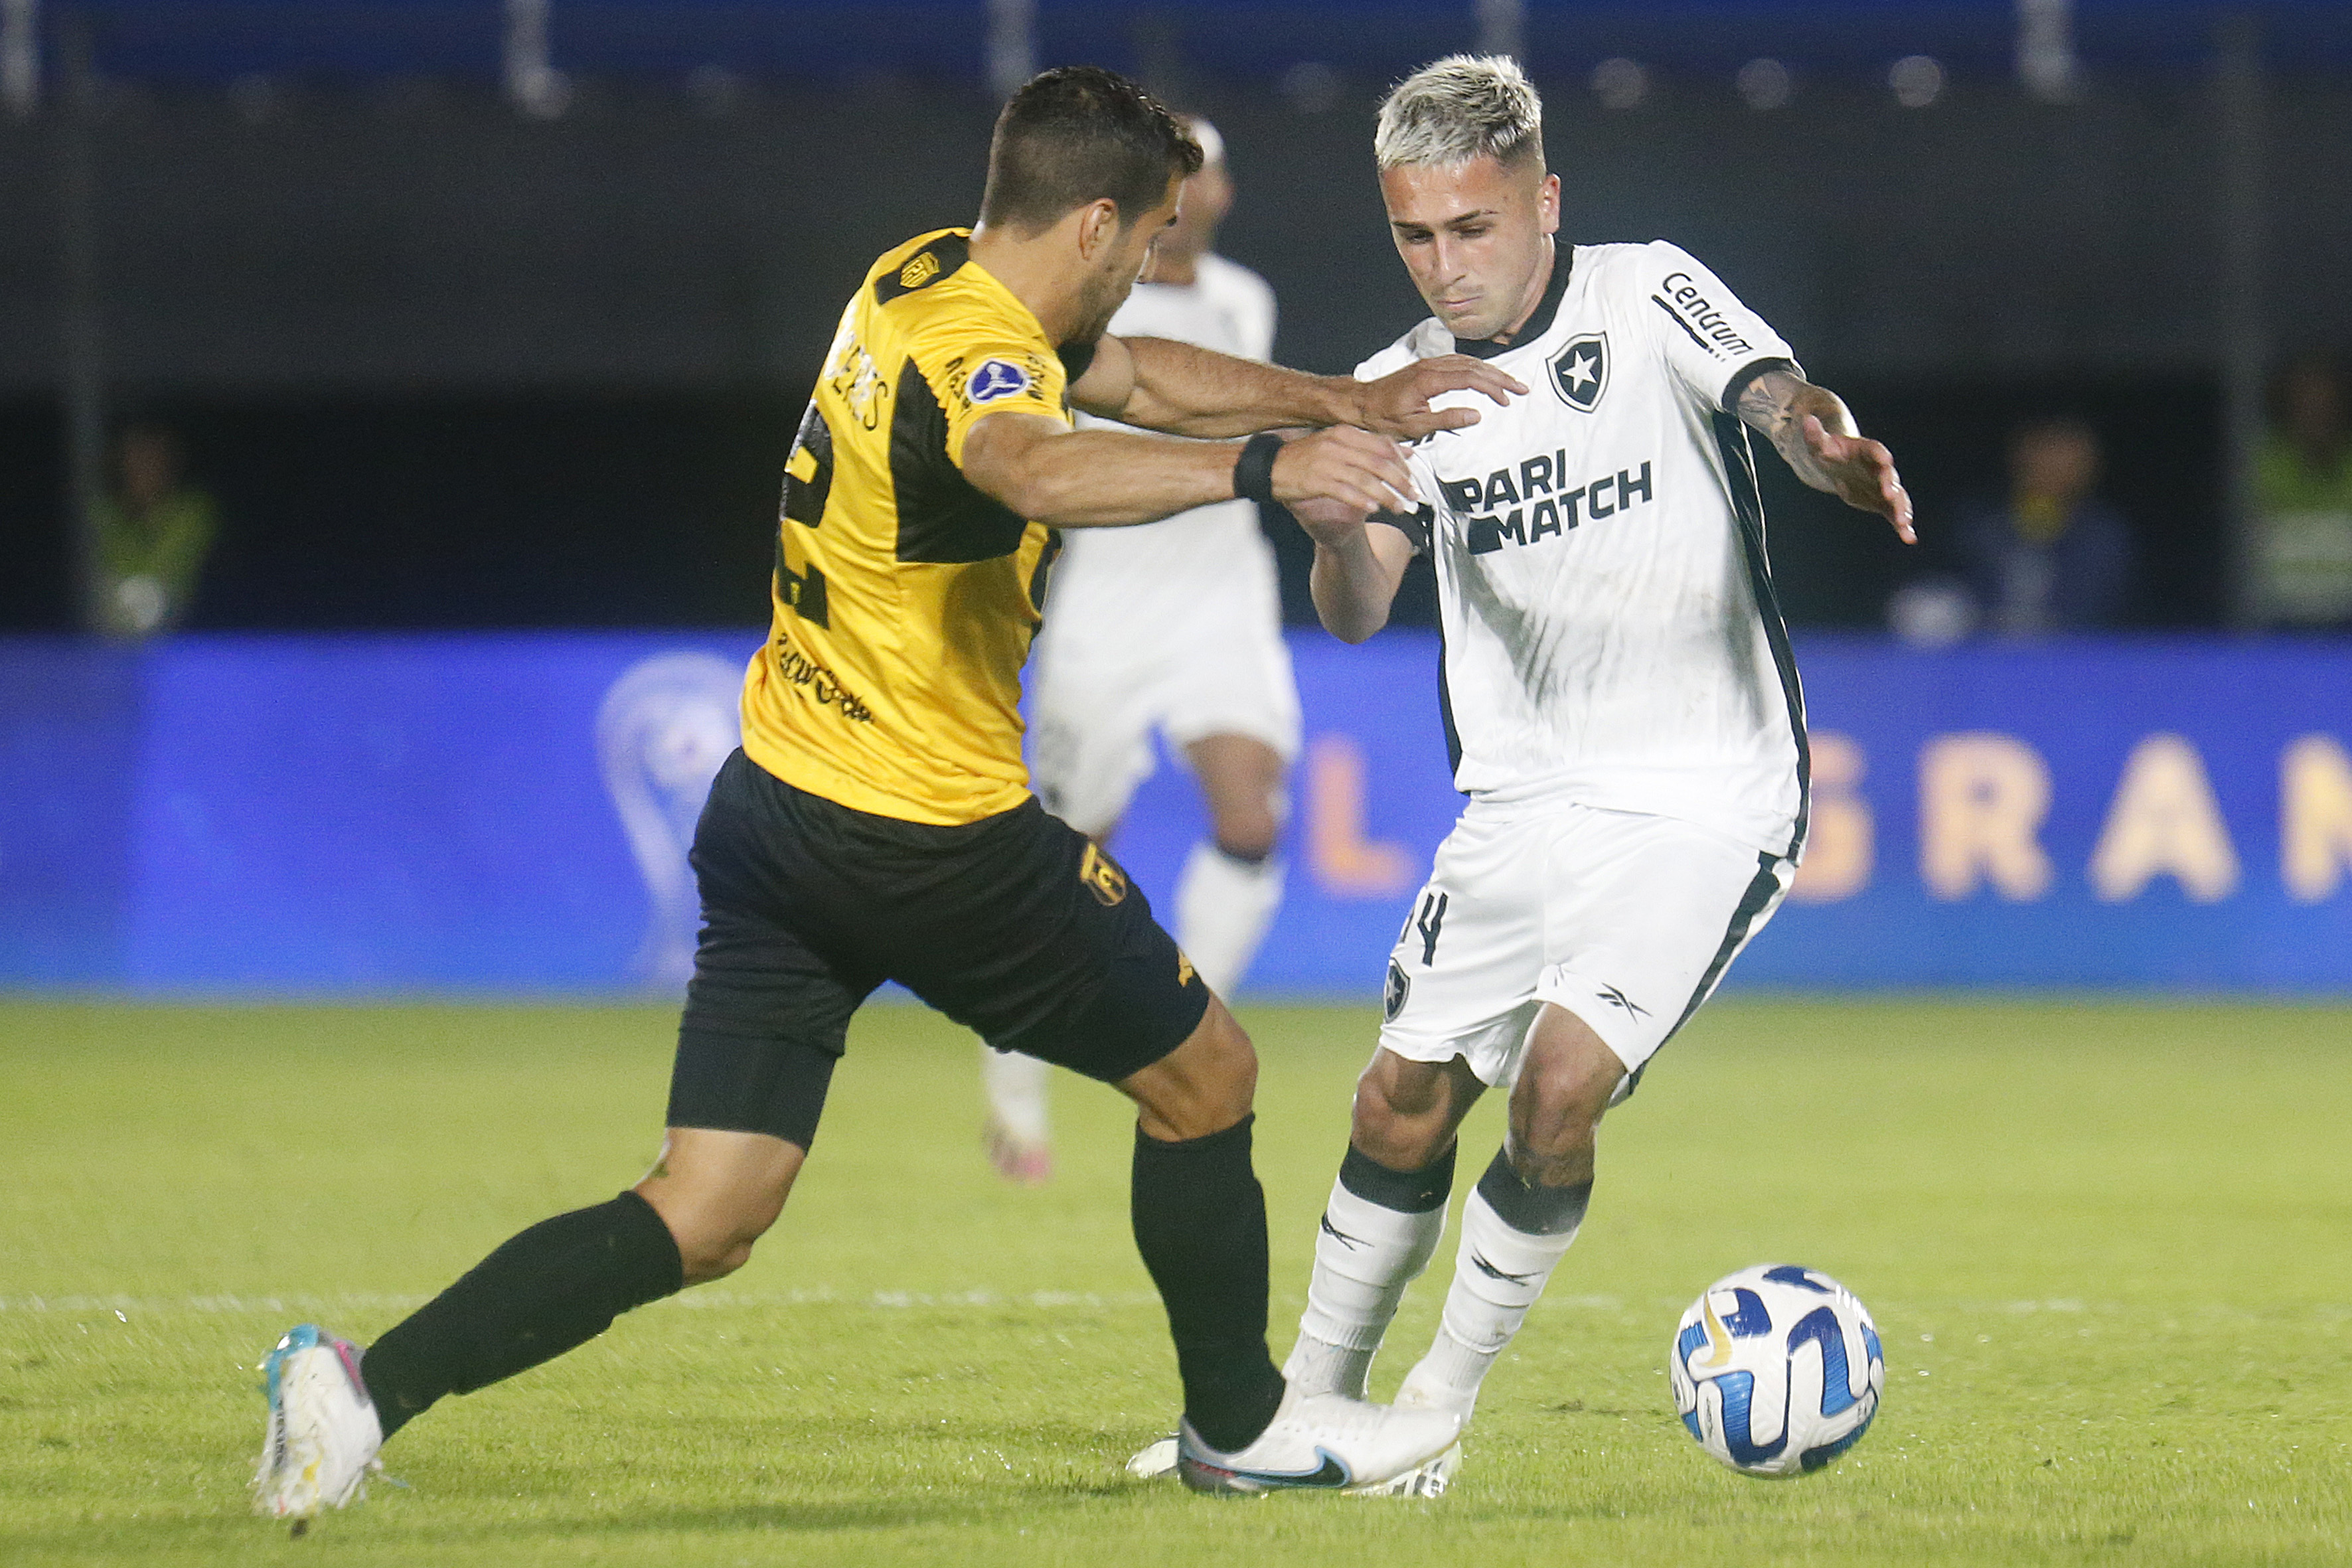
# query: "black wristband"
1253, 469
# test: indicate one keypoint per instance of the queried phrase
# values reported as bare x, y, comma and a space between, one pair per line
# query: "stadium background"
339, 930
484, 315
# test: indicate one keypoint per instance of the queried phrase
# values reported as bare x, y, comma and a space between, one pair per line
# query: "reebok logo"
1616, 999
1341, 1236
1507, 1277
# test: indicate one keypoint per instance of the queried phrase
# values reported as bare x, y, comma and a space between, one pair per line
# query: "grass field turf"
2109, 1247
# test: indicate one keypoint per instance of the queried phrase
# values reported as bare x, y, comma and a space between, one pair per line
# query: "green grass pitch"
2109, 1247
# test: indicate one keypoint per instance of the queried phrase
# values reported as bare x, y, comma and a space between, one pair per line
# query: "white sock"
1365, 1255
1223, 907
1498, 1272
1015, 1086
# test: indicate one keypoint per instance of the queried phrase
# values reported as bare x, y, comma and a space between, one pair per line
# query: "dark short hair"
1076, 134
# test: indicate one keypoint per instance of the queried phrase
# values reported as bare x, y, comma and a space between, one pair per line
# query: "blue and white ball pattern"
1777, 1370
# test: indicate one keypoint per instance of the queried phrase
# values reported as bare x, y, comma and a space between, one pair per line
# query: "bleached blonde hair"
1457, 109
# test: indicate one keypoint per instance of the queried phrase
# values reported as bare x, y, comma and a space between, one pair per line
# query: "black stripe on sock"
1407, 1192
1537, 1211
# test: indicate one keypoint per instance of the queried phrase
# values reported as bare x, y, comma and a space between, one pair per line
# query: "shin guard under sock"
557, 1285
1379, 1230
1199, 1223
1513, 1236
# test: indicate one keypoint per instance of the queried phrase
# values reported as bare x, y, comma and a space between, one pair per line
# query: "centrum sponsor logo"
1696, 315
800, 671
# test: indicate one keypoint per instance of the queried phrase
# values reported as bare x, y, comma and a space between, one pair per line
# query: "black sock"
1200, 1223
557, 1285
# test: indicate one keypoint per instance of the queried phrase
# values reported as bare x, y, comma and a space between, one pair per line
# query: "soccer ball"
1777, 1370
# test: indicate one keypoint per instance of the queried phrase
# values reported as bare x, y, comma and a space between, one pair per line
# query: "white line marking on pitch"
819, 1296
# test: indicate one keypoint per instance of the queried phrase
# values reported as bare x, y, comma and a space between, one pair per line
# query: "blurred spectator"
1932, 611
154, 531
2053, 556
2300, 561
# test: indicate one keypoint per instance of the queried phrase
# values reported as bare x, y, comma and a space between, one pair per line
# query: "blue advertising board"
509, 814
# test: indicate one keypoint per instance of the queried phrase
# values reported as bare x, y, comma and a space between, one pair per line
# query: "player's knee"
1204, 1086
1575, 1101
1229, 1083
705, 1258
1397, 1142
715, 1241
1242, 779
1402, 1136
719, 1192
1248, 833
1555, 1121
1567, 1075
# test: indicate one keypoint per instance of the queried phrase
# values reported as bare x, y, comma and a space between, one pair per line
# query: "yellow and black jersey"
905, 598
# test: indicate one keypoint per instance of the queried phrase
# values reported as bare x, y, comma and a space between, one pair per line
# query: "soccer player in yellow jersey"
877, 823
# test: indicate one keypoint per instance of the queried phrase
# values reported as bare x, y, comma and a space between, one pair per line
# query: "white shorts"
1626, 921
1190, 665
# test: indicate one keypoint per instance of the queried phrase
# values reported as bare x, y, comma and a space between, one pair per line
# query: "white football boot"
1154, 1461
1322, 1441
1430, 1480
323, 1433
1420, 1393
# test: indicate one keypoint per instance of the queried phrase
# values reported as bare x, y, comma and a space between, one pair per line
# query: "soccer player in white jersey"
1176, 626
1620, 700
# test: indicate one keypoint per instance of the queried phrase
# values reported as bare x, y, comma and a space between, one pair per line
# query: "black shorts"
1015, 926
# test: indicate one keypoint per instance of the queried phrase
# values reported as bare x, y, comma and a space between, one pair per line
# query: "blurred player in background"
1620, 701
2051, 555
876, 824
155, 531
1176, 626
2301, 559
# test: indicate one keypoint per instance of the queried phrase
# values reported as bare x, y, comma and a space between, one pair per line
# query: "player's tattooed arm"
1187, 391
1359, 562
1815, 432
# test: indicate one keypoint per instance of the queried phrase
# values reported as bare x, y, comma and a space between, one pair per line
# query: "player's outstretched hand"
1398, 404
1349, 468
1863, 472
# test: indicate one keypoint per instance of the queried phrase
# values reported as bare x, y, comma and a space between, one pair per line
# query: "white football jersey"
1217, 547
1611, 635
